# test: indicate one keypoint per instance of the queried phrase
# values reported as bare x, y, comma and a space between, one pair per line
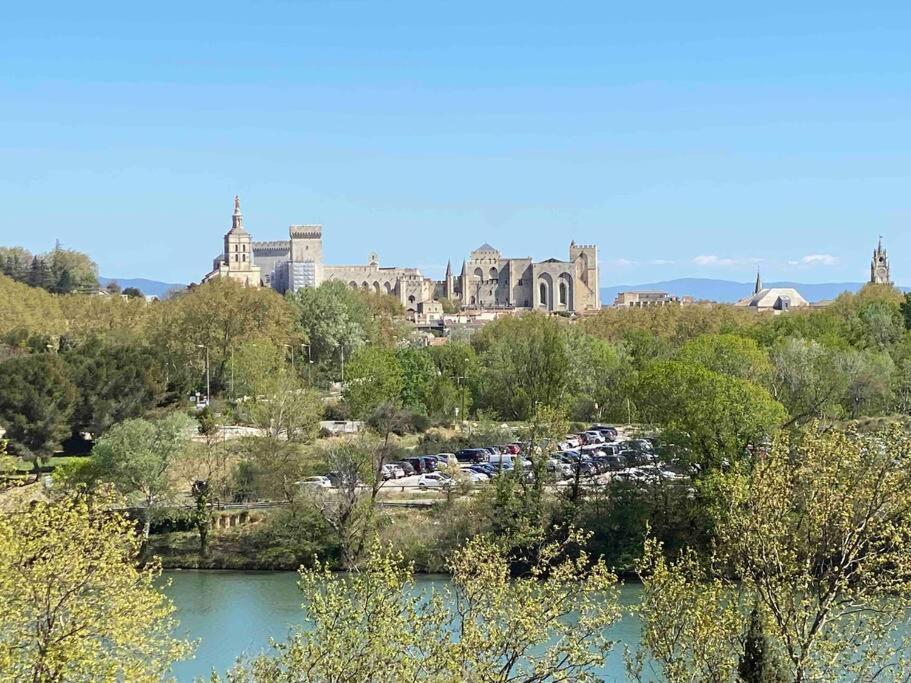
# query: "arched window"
542, 293
471, 301
563, 293
411, 299
376, 287
364, 285
478, 273
352, 284
494, 275
387, 287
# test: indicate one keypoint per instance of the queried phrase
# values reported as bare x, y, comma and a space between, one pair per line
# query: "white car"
434, 480
475, 477
315, 483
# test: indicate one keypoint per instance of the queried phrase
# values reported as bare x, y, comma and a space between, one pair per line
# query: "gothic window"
542, 293
244, 257
493, 274
478, 273
563, 293
471, 301
411, 299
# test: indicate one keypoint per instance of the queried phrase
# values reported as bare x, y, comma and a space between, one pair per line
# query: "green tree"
728, 354
287, 409
133, 293
601, 375
77, 606
815, 539
137, 455
115, 382
15, 263
418, 378
36, 404
71, 271
373, 378
716, 415
40, 275
525, 363
334, 320
220, 315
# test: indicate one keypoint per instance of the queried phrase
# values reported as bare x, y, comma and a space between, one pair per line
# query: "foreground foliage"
813, 555
376, 625
75, 606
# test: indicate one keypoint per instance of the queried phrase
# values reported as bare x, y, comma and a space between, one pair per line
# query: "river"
231, 613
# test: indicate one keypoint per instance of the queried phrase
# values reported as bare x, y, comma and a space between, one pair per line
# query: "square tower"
307, 251
585, 258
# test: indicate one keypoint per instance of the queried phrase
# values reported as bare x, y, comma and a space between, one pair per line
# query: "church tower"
879, 266
758, 287
238, 258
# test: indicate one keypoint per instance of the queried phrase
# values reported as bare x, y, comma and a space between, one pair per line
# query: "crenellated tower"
585, 258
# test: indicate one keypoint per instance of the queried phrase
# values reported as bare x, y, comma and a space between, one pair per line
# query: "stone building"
487, 279
879, 266
236, 261
773, 299
649, 299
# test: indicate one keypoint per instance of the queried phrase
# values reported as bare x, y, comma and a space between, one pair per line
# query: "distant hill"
147, 287
727, 291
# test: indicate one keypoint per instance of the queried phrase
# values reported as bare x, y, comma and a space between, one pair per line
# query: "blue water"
234, 613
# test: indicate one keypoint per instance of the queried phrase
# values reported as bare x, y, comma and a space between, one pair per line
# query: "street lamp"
208, 382
309, 364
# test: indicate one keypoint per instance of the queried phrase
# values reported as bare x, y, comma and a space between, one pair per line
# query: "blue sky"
685, 139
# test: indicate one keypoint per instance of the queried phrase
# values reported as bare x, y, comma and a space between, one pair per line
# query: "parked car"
430, 463
434, 480
615, 463
391, 471
593, 437
406, 467
472, 455
417, 464
485, 468
607, 431
475, 477
315, 483
559, 468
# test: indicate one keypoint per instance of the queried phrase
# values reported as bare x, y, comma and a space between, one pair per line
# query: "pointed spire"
237, 220
448, 269
758, 287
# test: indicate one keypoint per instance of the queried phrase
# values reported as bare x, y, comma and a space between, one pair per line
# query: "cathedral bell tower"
879, 266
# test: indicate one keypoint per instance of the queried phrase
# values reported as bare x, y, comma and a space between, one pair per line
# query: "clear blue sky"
685, 139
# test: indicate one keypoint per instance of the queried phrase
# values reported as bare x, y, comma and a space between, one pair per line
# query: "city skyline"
698, 141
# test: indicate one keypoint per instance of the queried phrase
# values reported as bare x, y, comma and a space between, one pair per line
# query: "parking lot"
594, 457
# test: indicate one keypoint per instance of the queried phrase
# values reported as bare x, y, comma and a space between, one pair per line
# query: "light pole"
309, 364
208, 381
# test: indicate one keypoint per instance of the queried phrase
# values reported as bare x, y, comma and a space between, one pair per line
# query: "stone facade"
237, 260
487, 280
649, 299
